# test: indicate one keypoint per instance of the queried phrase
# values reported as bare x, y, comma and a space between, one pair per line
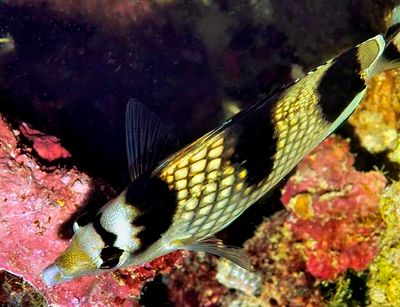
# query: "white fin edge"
395, 15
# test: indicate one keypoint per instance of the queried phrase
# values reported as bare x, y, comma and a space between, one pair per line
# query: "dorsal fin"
148, 139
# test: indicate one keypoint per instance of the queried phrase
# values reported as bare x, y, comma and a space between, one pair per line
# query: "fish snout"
52, 275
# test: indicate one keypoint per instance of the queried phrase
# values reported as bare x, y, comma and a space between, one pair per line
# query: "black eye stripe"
157, 205
110, 256
84, 219
108, 237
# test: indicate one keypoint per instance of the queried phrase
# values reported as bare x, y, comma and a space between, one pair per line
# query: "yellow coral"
384, 280
395, 154
376, 120
301, 204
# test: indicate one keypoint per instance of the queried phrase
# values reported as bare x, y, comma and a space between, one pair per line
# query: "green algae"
348, 289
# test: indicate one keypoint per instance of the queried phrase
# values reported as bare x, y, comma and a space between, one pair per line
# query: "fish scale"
298, 122
203, 207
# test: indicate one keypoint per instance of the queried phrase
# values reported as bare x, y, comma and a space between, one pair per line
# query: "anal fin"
217, 247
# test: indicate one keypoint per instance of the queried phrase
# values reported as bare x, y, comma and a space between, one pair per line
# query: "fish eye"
110, 263
110, 256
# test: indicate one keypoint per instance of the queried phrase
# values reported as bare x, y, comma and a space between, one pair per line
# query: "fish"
180, 200
7, 44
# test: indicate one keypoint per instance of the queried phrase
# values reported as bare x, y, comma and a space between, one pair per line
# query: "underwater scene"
200, 153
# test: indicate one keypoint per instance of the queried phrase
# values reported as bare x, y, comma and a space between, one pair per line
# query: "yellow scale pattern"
212, 192
209, 189
299, 126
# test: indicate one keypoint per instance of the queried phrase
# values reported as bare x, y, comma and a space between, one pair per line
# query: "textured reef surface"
384, 272
34, 205
376, 120
330, 237
335, 210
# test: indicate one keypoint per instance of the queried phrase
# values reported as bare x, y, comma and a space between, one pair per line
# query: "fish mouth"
52, 275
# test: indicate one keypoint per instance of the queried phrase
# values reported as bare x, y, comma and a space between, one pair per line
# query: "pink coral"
33, 206
48, 147
335, 209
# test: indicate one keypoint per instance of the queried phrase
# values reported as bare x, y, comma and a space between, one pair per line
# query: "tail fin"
390, 56
394, 24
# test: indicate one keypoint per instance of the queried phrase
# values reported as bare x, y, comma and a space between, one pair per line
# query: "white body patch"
116, 218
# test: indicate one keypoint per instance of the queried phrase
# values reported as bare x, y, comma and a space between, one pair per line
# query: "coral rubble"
195, 283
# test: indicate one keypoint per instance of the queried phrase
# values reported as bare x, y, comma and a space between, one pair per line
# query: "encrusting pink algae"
34, 205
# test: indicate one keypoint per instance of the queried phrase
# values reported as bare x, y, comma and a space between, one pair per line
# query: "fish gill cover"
63, 91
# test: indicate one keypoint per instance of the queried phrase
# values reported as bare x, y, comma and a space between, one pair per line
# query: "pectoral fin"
217, 247
148, 139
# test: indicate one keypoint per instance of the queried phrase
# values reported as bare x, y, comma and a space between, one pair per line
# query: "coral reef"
279, 279
335, 210
384, 272
376, 120
34, 205
349, 289
331, 226
275, 252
